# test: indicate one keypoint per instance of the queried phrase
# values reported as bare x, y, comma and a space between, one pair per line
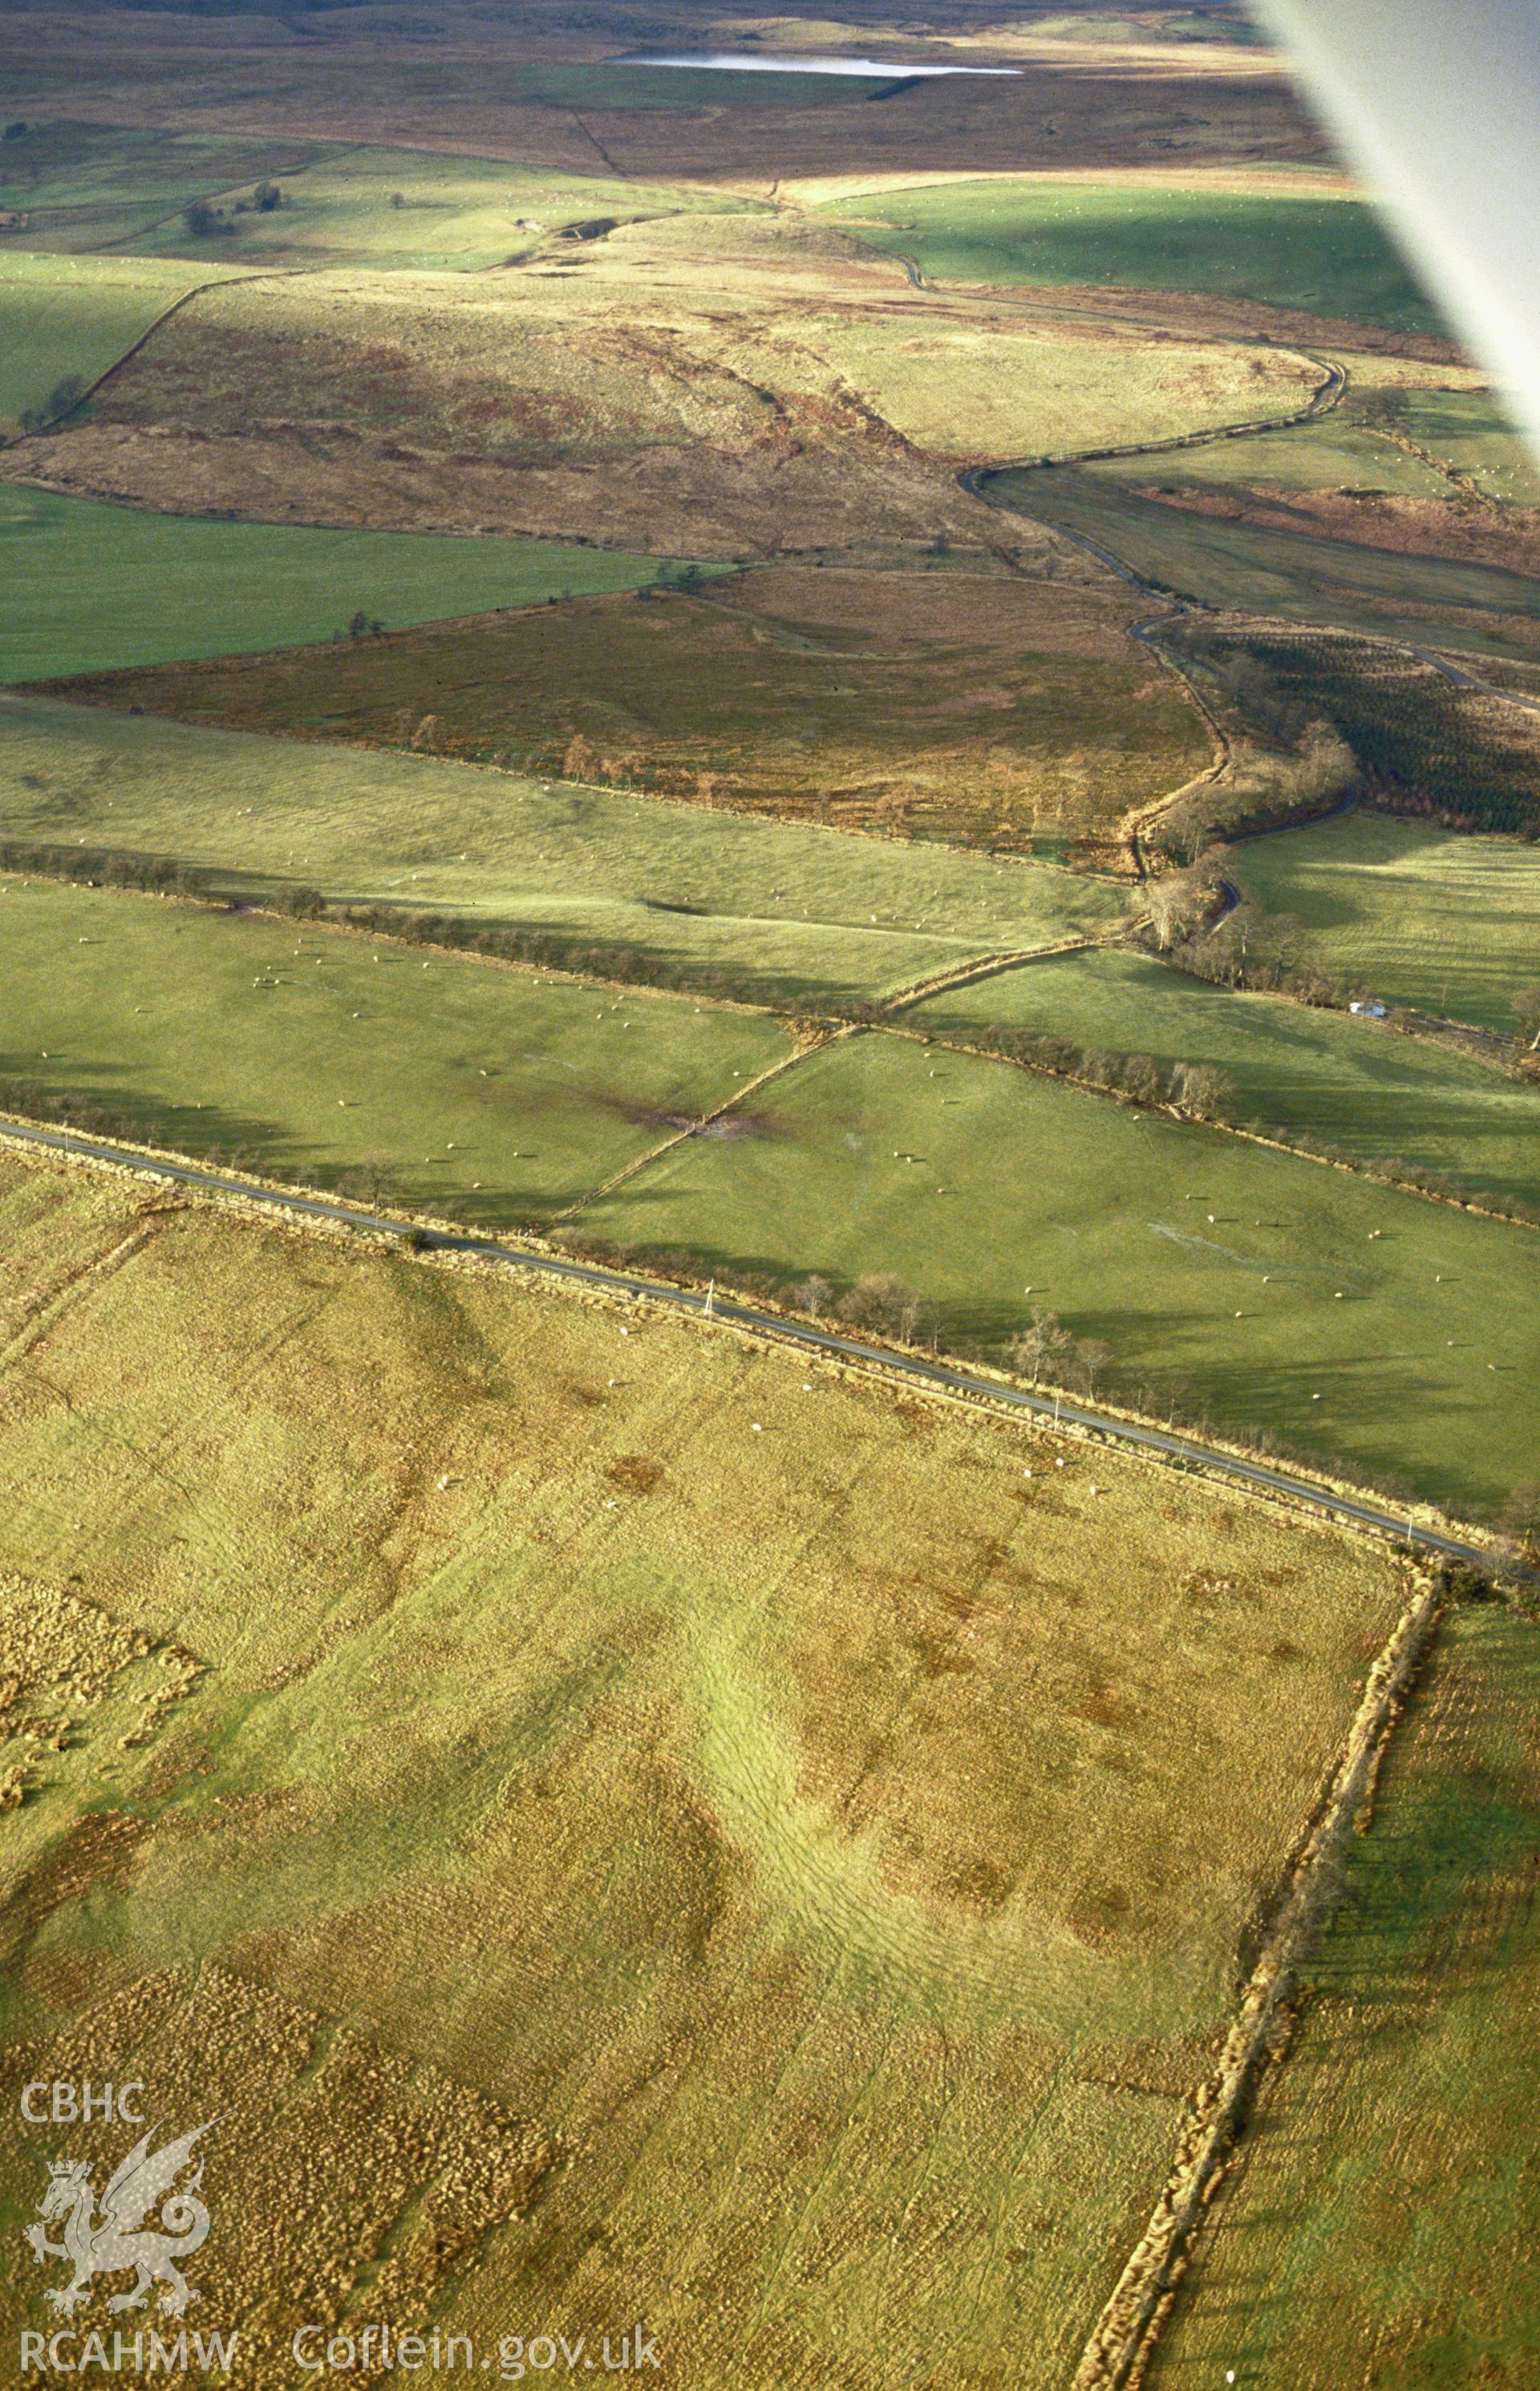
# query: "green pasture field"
1468, 428
1334, 451
85, 586
63, 316
1373, 1094
316, 1051
1347, 448
991, 1190
790, 912
1386, 2195
1422, 599
1290, 248
410, 210
85, 187
1443, 920
748, 1882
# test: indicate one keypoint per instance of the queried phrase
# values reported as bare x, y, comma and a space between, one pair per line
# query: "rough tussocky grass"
756, 1793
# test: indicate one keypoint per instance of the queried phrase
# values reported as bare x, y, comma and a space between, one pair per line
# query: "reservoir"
771, 62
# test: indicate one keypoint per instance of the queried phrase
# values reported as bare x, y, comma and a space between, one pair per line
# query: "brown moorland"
961, 704
404, 78
1463, 529
741, 387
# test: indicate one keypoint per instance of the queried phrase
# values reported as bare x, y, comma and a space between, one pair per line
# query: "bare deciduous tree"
1520, 1514
884, 1304
1526, 1011
1034, 1349
1199, 1088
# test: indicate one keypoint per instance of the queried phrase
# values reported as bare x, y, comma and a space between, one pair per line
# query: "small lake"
772, 63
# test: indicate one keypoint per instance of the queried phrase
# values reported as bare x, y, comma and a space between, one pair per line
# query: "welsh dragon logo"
119, 2238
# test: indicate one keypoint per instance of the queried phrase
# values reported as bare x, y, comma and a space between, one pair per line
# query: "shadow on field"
91, 1098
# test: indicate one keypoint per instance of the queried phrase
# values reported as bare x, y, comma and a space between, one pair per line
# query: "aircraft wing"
1437, 104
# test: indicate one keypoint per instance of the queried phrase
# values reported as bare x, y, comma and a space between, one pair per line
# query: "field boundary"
1314, 1491
799, 1053
990, 967
1328, 396
184, 298
1130, 2323
1365, 1170
885, 1013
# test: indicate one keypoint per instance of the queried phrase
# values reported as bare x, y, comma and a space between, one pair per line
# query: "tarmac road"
1171, 1446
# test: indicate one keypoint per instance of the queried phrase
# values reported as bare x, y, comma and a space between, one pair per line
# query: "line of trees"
1202, 1092
1262, 788
1046, 1352
102, 867
880, 1304
1198, 1089
554, 950
557, 950
1198, 921
1046, 1349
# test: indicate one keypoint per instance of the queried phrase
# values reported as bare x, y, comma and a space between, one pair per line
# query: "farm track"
973, 479
1161, 1444
1460, 678
1327, 394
